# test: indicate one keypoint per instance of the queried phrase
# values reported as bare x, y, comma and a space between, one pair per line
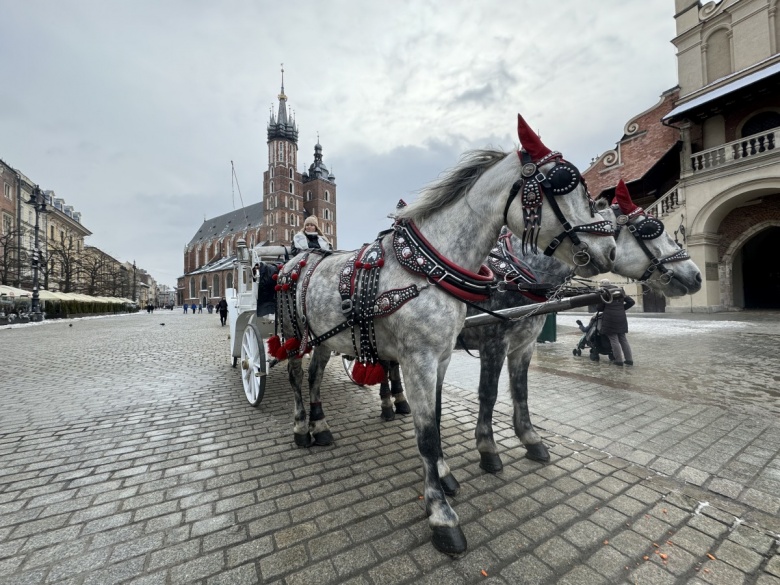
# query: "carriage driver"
310, 237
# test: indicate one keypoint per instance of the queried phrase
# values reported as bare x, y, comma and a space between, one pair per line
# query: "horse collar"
417, 255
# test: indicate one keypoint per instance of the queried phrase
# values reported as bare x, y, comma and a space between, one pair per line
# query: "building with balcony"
705, 159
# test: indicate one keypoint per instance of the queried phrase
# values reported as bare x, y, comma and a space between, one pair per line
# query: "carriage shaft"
542, 308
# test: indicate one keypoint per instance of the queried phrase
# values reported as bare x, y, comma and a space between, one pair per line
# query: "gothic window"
291, 188
761, 122
215, 291
204, 283
272, 186
281, 152
272, 236
327, 196
718, 55
192, 287
7, 190
308, 195
272, 172
326, 213
291, 173
229, 280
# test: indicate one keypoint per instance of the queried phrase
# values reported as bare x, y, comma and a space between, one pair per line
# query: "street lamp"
38, 201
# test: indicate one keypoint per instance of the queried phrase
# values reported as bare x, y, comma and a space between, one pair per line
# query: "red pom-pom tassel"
380, 262
278, 287
359, 373
294, 276
358, 264
285, 287
274, 344
375, 374
302, 263
291, 344
275, 276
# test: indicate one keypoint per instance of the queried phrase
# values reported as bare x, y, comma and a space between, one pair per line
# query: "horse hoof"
402, 407
323, 439
448, 539
450, 485
537, 452
303, 440
387, 413
490, 462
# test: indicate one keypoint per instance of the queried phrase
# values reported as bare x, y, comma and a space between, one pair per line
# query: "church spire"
284, 125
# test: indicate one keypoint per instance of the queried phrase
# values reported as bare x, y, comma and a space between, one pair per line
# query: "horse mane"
455, 183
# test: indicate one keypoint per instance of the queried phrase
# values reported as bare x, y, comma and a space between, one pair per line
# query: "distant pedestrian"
185, 308
614, 325
222, 307
200, 308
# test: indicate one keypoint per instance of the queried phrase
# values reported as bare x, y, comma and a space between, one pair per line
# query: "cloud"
132, 112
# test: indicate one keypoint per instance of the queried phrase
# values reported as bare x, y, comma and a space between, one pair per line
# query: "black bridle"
535, 184
644, 228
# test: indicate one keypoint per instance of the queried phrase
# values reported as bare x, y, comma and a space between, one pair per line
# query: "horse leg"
519, 360
300, 429
397, 390
318, 426
492, 351
421, 381
449, 484
385, 393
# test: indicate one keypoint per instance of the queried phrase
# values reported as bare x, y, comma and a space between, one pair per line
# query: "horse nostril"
612, 254
698, 278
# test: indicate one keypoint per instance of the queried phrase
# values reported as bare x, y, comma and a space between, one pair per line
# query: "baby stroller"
593, 339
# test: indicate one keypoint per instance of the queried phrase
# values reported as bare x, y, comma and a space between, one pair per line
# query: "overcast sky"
133, 110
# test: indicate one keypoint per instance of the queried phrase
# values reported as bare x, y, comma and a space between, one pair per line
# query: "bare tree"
94, 268
64, 260
9, 256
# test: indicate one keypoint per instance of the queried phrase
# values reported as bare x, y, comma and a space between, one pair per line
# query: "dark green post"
549, 331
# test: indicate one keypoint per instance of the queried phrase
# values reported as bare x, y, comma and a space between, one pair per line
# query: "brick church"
289, 197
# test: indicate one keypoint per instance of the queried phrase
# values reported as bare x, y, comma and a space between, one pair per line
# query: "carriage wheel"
253, 366
347, 361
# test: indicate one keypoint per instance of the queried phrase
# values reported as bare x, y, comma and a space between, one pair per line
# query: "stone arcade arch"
749, 275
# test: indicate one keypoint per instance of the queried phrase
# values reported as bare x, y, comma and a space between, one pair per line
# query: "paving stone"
738, 556
199, 568
527, 569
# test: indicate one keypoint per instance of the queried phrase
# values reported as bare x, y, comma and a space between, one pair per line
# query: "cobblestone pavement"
128, 454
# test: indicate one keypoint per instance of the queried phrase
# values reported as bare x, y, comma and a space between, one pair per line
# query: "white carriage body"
242, 300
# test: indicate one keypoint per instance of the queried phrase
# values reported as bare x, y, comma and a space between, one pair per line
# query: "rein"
648, 228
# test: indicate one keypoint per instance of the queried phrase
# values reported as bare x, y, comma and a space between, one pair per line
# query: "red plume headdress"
531, 143
623, 199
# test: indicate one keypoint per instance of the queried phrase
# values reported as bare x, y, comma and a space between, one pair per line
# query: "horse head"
583, 239
645, 250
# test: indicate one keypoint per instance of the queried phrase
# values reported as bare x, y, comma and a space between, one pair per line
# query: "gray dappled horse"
411, 283
645, 252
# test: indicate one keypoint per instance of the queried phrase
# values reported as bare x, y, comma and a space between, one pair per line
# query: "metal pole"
544, 308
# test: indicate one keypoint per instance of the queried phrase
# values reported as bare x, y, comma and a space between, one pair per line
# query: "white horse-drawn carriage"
248, 331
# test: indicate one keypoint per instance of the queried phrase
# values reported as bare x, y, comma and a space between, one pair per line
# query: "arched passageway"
761, 270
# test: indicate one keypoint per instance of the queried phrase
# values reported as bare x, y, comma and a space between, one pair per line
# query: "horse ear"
623, 198
529, 141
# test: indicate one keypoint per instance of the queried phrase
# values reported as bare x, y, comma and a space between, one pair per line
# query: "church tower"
282, 183
319, 187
